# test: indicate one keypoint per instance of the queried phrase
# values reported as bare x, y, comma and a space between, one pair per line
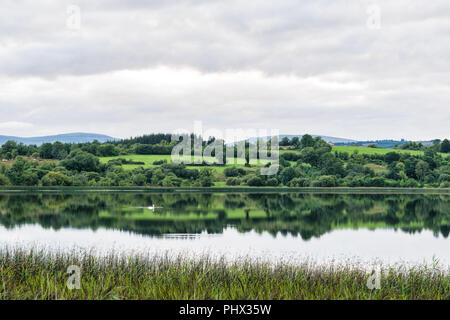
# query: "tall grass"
34, 274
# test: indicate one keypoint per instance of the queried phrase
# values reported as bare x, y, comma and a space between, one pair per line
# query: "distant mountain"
64, 138
290, 136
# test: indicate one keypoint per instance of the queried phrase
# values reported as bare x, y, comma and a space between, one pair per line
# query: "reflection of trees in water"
304, 215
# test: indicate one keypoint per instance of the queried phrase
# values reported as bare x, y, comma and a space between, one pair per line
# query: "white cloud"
15, 125
309, 66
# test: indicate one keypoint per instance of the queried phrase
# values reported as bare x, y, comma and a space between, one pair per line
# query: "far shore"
240, 189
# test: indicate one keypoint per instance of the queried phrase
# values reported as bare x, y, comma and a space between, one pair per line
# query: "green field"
367, 150
149, 159
220, 178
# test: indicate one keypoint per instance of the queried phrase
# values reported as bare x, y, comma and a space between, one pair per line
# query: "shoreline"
314, 190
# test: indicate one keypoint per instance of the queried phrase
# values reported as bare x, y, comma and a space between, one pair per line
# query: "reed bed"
37, 274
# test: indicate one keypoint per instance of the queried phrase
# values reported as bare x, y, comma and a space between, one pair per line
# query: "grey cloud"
308, 37
319, 68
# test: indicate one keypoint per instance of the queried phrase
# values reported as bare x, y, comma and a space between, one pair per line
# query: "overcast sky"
351, 68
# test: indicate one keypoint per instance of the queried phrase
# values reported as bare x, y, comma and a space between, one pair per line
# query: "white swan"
149, 208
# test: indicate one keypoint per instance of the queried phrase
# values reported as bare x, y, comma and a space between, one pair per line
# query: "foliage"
56, 179
145, 161
26, 274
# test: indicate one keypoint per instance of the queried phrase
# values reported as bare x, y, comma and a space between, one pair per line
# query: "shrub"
233, 181
445, 184
255, 182
234, 172
4, 181
391, 157
287, 174
290, 156
409, 183
159, 162
139, 179
273, 182
56, 179
325, 181
299, 182
444, 178
377, 182
107, 150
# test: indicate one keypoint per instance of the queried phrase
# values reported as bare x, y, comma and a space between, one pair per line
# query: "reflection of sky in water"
385, 245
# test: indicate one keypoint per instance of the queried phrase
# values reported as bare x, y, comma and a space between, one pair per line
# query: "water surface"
388, 228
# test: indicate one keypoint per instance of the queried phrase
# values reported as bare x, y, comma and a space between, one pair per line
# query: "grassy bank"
35, 275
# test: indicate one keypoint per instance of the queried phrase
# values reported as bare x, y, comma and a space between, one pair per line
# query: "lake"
389, 228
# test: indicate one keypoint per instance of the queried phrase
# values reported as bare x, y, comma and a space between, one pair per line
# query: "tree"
21, 173
445, 146
295, 142
287, 174
422, 169
46, 151
108, 150
309, 155
58, 151
330, 165
391, 157
436, 146
9, 146
284, 142
307, 141
81, 161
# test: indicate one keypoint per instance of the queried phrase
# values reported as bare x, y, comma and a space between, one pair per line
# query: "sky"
351, 68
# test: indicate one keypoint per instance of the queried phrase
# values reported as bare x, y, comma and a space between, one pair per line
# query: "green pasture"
149, 159
367, 150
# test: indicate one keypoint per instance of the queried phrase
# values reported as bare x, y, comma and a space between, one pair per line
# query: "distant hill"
290, 136
388, 144
64, 138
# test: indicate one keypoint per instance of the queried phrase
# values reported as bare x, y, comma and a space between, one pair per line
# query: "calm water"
386, 228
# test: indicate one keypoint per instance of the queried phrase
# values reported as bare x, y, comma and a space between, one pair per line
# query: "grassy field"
149, 159
37, 275
367, 150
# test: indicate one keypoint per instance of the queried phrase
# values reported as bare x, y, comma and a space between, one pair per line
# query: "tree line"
313, 163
